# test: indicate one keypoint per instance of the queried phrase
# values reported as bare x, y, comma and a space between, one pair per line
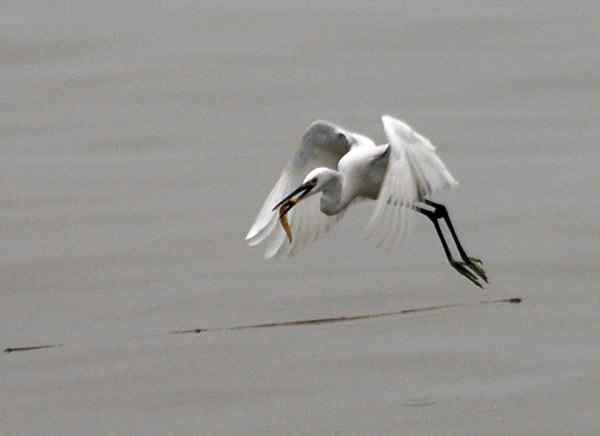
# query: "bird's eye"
341, 136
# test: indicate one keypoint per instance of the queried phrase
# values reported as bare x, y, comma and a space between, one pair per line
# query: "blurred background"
138, 140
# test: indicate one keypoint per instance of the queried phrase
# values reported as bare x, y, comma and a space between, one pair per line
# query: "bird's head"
314, 182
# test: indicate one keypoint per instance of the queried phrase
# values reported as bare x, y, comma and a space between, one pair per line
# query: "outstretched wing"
414, 172
323, 145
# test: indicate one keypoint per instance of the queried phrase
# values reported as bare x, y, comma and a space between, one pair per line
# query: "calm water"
138, 140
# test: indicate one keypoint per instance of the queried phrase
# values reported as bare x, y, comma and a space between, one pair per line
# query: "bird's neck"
335, 197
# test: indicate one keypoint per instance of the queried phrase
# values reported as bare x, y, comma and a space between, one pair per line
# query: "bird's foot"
463, 269
477, 266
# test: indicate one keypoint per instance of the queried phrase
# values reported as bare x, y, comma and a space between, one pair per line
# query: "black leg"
432, 216
469, 264
474, 263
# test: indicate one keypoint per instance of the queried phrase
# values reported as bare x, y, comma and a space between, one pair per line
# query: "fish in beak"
289, 202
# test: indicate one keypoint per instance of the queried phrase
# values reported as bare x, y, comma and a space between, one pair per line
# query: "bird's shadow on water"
305, 322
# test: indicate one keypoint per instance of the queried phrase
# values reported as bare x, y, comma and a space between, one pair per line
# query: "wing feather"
413, 173
320, 147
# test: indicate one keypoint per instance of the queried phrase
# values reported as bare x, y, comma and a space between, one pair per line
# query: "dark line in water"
344, 318
313, 321
416, 403
30, 348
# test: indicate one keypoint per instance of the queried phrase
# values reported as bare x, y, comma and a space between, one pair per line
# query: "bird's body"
344, 167
364, 170
357, 176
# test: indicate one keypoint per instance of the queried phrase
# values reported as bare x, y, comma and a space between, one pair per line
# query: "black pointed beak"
303, 190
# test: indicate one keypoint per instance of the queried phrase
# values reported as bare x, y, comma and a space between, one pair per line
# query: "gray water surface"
138, 140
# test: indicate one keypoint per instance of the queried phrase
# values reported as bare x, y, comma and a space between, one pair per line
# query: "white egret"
345, 167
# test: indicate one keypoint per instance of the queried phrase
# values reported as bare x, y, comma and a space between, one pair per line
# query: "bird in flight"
345, 167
